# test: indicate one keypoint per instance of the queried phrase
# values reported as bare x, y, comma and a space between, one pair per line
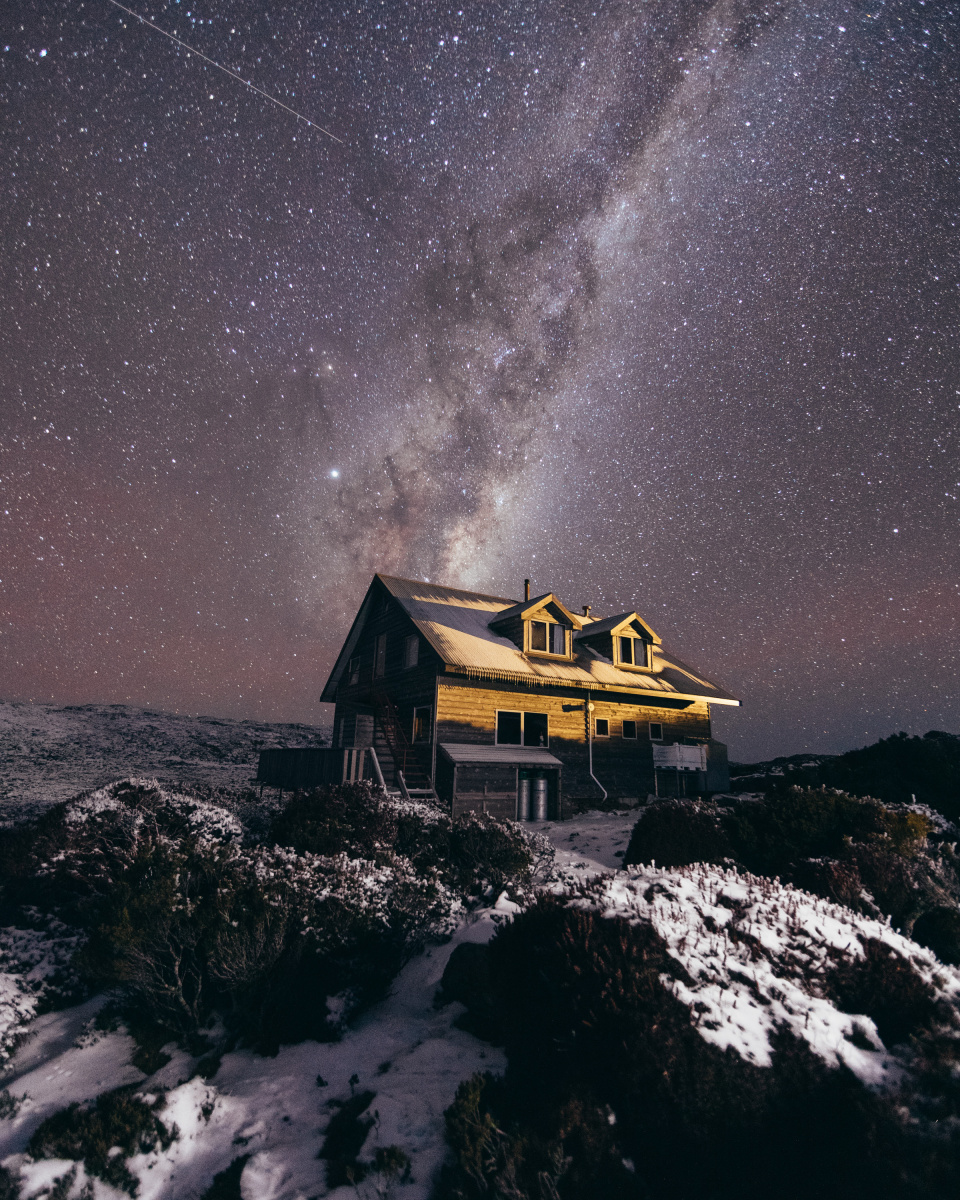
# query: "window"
509, 729
380, 655
656, 731
633, 652
548, 637
535, 731
353, 671
522, 729
602, 727
411, 651
422, 724
630, 730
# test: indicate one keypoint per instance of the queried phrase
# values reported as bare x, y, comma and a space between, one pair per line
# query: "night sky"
655, 303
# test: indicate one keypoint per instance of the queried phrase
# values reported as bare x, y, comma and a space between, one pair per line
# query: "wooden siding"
466, 713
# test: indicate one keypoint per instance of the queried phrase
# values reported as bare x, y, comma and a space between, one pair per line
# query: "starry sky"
654, 302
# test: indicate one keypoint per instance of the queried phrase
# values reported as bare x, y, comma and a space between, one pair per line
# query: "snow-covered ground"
49, 753
406, 1051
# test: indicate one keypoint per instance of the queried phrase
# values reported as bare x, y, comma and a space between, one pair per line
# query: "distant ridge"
51, 752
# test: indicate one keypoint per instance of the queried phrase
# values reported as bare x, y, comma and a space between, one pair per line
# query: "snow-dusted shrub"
875, 858
76, 851
731, 1029
93, 1134
476, 854
261, 934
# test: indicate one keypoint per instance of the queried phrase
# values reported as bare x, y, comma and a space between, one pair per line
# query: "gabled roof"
528, 608
613, 625
456, 624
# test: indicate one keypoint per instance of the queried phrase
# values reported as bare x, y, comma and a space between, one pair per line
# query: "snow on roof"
456, 623
506, 755
755, 952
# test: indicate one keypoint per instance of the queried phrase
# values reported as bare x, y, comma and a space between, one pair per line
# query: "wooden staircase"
412, 771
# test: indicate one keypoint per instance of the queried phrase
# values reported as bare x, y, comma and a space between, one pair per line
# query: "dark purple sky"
654, 303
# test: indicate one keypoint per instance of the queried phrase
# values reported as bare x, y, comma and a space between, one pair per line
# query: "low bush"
613, 1090
874, 858
90, 1134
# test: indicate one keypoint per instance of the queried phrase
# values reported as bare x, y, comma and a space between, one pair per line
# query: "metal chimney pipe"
526, 589
586, 610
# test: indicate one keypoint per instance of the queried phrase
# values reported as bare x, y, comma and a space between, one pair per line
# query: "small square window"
656, 731
630, 730
509, 729
411, 651
602, 727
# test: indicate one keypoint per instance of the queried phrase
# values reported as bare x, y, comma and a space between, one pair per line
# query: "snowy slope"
50, 753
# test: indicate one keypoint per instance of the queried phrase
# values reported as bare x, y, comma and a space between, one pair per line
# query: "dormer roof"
527, 610
623, 624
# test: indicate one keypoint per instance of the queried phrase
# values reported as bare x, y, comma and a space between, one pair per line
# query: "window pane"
508, 729
656, 732
538, 635
630, 729
603, 727
411, 651
626, 650
558, 641
421, 724
535, 731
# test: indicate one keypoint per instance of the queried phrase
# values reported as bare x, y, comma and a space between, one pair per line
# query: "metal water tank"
540, 798
523, 800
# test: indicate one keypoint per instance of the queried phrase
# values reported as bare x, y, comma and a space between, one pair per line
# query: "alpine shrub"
89, 1134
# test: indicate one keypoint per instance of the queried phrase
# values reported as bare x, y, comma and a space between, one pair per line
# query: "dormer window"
634, 651
548, 638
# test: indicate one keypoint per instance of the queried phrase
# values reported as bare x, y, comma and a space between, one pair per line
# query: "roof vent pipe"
586, 610
526, 589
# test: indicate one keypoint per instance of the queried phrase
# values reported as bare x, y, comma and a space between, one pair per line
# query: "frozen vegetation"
207, 997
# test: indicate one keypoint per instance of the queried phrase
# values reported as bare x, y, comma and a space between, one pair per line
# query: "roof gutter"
580, 684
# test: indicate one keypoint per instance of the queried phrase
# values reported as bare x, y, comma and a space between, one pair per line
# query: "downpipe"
589, 709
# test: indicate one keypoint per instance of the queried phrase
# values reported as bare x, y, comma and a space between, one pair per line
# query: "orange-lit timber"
502, 704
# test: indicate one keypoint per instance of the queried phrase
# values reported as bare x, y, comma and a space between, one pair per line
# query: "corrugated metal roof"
456, 624
506, 756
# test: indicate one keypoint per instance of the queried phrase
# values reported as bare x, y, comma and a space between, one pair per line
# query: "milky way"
653, 303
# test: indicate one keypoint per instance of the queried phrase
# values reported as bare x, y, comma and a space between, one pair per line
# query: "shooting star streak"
246, 83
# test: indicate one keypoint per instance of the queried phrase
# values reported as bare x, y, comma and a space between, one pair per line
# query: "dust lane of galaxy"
654, 303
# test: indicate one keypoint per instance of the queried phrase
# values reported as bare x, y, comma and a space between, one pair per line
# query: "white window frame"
596, 727
638, 666
655, 737
522, 713
548, 653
